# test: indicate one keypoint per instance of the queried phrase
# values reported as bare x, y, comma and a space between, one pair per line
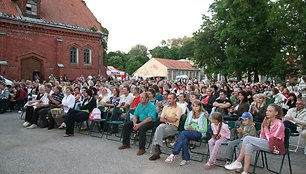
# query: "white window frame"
31, 4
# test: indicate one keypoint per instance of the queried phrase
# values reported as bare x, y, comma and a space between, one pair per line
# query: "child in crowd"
221, 134
246, 129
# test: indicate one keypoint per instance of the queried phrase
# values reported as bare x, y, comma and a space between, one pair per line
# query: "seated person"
125, 101
296, 117
31, 119
19, 98
4, 97
34, 104
68, 102
88, 104
222, 104
195, 128
144, 119
170, 119
245, 129
55, 101
238, 110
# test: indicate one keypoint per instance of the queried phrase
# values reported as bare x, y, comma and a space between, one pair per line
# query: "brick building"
47, 37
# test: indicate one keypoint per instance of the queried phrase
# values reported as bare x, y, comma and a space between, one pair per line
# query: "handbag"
95, 114
276, 146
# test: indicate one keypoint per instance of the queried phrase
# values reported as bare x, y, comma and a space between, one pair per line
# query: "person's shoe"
26, 124
154, 157
141, 152
68, 135
183, 162
33, 126
170, 158
49, 128
305, 150
244, 173
62, 126
235, 165
124, 146
227, 163
208, 166
19, 112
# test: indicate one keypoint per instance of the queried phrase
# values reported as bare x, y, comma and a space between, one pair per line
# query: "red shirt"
135, 102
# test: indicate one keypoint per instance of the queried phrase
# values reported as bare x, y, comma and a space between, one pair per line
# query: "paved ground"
41, 151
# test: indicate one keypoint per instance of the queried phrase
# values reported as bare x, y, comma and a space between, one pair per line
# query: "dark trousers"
128, 128
291, 126
3, 105
29, 113
44, 114
72, 117
34, 118
182, 143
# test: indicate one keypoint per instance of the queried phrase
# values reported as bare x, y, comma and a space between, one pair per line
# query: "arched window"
87, 56
74, 55
31, 7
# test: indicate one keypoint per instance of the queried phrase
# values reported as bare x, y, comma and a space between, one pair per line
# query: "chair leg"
256, 159
289, 162
296, 146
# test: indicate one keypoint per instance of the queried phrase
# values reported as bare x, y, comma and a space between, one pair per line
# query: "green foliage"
176, 48
128, 62
253, 37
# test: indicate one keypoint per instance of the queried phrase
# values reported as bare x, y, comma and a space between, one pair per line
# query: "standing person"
272, 126
246, 129
195, 129
170, 118
221, 134
88, 104
144, 119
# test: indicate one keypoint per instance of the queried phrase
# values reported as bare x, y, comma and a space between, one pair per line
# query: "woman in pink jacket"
272, 126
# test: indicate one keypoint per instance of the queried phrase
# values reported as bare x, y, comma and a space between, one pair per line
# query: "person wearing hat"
246, 128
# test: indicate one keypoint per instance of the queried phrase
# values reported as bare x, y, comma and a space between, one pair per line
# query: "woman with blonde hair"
195, 128
258, 107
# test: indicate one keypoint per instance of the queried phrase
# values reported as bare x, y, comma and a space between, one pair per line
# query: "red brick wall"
24, 40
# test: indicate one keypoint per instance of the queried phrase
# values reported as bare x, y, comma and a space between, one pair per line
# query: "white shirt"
126, 99
68, 102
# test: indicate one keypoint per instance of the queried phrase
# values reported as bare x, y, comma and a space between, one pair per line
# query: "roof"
72, 12
176, 64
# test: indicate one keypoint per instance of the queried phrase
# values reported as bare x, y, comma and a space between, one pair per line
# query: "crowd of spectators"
190, 106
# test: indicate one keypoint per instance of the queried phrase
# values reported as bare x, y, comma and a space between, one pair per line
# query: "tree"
242, 26
136, 57
288, 21
117, 59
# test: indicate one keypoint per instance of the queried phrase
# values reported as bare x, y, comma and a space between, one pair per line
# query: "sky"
147, 22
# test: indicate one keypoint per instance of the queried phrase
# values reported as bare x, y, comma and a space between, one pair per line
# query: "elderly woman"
88, 104
31, 105
258, 108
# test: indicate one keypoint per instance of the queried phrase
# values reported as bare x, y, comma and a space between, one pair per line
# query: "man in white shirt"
296, 117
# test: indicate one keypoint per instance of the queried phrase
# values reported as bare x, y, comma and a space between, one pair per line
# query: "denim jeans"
182, 143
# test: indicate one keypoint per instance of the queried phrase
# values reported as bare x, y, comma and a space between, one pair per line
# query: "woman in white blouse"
68, 102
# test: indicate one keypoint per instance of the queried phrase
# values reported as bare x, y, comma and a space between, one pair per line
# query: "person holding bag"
272, 136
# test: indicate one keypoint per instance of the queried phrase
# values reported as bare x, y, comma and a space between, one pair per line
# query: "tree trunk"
256, 78
249, 77
239, 75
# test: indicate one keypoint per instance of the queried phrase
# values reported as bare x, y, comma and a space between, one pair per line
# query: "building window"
31, 8
73, 55
87, 56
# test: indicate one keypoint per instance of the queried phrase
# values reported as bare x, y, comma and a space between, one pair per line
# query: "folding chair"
96, 128
264, 153
297, 145
110, 123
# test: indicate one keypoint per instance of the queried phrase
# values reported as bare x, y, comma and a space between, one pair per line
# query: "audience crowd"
188, 108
